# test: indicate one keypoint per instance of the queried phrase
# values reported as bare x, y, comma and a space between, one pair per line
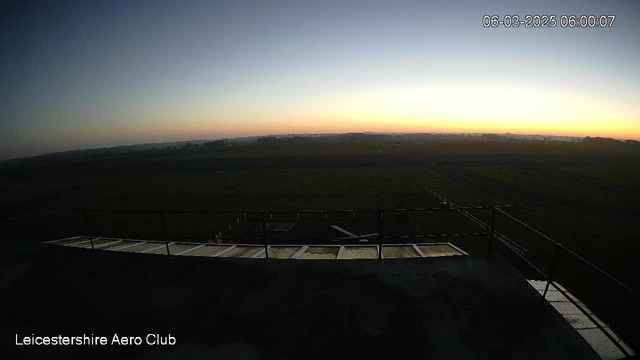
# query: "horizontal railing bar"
236, 212
271, 239
436, 235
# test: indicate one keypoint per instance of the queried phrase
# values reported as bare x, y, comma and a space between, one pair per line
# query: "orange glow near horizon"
151, 73
316, 124
439, 109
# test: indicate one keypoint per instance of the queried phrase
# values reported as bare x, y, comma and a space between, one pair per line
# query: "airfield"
186, 229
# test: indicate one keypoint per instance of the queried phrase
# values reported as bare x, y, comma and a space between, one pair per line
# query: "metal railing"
522, 254
377, 215
549, 277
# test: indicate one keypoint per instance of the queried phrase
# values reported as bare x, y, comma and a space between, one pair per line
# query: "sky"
86, 74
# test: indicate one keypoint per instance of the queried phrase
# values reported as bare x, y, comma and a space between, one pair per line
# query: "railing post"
34, 228
379, 235
86, 228
264, 238
424, 225
164, 232
493, 229
551, 270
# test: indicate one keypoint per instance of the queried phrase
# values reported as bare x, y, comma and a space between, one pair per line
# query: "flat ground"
444, 308
583, 195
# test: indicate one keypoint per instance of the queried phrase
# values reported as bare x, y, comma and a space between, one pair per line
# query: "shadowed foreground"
442, 308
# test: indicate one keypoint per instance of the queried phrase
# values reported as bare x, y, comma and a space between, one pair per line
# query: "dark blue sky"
79, 74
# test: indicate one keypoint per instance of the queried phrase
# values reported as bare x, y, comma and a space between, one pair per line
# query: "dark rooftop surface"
435, 308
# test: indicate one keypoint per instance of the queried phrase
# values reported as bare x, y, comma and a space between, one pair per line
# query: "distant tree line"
291, 140
286, 140
609, 141
218, 144
490, 137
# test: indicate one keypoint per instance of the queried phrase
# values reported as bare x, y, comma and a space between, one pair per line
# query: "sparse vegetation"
583, 194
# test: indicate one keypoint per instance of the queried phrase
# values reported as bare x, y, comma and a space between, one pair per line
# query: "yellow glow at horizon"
475, 109
401, 108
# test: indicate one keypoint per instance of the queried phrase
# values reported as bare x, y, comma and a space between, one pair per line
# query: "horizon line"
303, 134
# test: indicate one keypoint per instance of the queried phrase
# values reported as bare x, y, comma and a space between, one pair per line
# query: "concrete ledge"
355, 251
581, 323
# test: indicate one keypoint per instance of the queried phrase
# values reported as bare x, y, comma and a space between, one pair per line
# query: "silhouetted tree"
490, 137
268, 140
217, 144
601, 141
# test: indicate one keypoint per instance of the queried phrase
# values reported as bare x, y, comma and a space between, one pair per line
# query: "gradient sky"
91, 74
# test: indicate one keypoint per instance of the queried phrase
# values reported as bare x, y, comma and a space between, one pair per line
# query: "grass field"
583, 195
